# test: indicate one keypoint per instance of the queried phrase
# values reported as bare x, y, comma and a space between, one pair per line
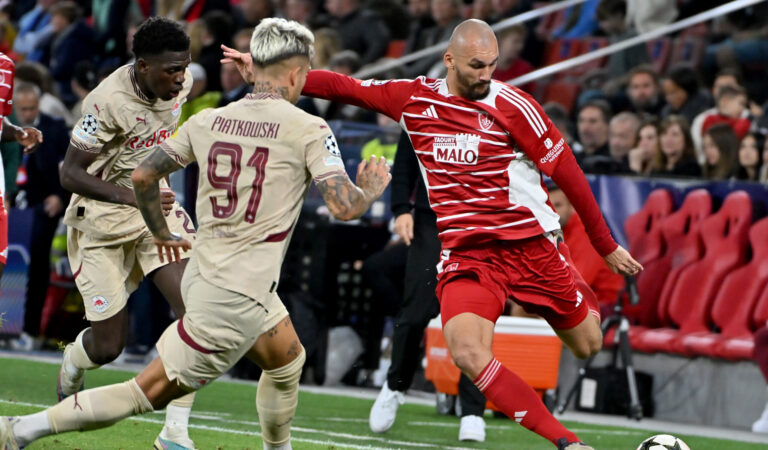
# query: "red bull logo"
100, 304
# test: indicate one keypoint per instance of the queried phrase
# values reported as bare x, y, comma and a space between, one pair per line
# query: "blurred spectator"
217, 30
511, 65
721, 148
647, 15
110, 26
233, 87
361, 30
746, 42
34, 27
731, 108
70, 43
683, 93
327, 44
446, 14
199, 97
421, 20
300, 10
189, 10
641, 157
611, 15
588, 262
483, 10
592, 126
621, 138
44, 195
676, 156
559, 117
763, 176
39, 75
249, 13
751, 157
644, 91
83, 82
503, 9
394, 16
725, 77
241, 41
580, 21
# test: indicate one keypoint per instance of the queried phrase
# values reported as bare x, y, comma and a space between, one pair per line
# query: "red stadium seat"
658, 51
562, 92
725, 237
559, 50
646, 243
733, 307
683, 247
587, 45
395, 49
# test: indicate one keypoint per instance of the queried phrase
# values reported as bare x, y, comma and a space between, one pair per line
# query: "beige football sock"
276, 400
98, 408
77, 357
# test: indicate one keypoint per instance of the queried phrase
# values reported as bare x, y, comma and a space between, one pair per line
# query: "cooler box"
528, 347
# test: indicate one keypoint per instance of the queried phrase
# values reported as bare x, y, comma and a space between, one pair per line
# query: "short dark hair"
685, 76
731, 71
600, 104
730, 91
646, 69
68, 9
157, 35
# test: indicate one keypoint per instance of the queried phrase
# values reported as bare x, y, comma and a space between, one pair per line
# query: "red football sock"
520, 402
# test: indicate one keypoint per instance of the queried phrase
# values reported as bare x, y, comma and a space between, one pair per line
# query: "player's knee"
470, 358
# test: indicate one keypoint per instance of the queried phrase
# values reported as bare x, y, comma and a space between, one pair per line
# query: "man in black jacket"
45, 196
415, 223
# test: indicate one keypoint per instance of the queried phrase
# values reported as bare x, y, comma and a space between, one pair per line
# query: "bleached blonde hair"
276, 39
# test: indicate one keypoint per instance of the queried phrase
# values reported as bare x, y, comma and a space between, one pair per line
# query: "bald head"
472, 33
471, 59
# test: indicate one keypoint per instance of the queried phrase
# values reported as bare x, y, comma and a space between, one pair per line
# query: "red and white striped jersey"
481, 160
7, 69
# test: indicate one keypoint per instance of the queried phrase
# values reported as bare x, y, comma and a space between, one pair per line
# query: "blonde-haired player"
257, 157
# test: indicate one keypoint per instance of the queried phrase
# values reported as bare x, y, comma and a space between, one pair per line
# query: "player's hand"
621, 262
172, 247
243, 62
167, 198
29, 137
373, 176
404, 227
52, 205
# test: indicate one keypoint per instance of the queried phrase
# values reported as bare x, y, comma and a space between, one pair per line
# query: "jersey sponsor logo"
332, 146
554, 151
157, 138
485, 121
459, 149
452, 267
100, 304
333, 161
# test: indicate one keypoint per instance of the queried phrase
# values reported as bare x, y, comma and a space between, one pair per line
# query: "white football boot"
472, 429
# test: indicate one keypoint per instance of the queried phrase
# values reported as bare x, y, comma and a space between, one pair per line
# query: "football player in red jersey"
483, 146
30, 138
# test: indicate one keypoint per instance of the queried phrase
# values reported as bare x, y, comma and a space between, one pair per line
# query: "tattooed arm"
347, 201
146, 188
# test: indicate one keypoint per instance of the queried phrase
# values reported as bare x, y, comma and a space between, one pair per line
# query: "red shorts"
536, 273
3, 230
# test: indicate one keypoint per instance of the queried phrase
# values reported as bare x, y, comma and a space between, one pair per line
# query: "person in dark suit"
45, 196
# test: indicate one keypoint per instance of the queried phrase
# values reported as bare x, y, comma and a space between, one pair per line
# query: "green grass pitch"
224, 417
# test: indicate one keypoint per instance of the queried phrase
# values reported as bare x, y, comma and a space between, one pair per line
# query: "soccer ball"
663, 442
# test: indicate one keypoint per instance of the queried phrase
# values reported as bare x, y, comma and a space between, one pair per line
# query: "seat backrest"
658, 51
757, 236
725, 236
646, 241
736, 300
684, 247
688, 50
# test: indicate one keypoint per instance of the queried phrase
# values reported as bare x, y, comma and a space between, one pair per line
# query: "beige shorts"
108, 271
217, 330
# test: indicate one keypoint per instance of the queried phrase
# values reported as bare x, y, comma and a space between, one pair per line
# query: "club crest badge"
485, 121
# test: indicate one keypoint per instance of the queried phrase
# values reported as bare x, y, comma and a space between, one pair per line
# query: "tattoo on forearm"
157, 165
267, 87
343, 198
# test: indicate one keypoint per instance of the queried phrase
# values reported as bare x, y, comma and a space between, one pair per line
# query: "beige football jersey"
122, 125
257, 157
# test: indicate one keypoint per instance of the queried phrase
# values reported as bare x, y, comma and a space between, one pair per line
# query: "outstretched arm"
347, 201
29, 137
146, 187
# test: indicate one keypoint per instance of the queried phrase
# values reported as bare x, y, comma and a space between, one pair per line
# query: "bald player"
483, 146
257, 157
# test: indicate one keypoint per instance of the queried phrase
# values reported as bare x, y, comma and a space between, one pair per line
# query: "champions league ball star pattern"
89, 124
663, 442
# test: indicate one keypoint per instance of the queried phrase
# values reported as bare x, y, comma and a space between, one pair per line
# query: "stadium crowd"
639, 112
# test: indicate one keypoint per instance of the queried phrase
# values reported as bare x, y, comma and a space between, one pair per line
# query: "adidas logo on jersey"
459, 149
430, 112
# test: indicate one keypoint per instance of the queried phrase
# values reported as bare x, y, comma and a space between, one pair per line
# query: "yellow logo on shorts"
100, 304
